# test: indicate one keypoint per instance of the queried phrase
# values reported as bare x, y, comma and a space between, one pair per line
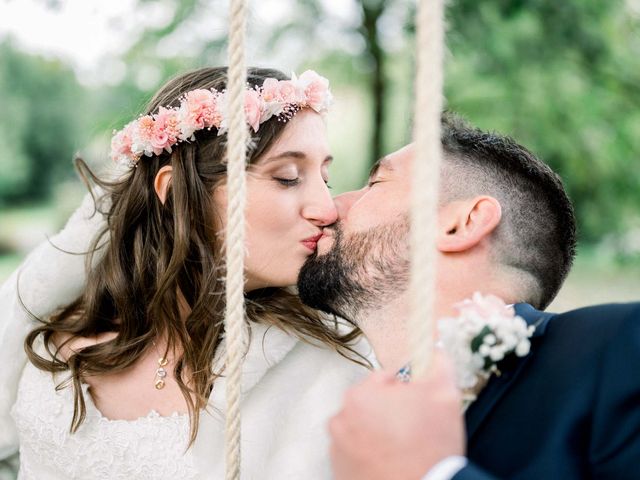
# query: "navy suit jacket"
568, 410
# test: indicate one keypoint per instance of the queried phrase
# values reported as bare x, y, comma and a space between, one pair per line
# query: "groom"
568, 410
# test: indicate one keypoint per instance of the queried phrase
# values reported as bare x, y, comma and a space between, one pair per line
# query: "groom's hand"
393, 430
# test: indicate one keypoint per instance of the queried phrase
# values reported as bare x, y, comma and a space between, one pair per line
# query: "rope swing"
236, 187
426, 167
426, 180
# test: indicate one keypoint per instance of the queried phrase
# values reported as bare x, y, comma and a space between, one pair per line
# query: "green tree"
309, 20
43, 110
564, 79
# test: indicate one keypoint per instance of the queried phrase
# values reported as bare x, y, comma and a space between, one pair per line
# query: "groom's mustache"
330, 230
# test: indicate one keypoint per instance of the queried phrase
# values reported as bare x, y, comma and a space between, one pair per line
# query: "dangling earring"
161, 372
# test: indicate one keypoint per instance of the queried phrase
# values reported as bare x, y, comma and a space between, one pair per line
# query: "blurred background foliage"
563, 78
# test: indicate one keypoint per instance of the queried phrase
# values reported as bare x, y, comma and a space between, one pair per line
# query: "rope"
236, 186
426, 174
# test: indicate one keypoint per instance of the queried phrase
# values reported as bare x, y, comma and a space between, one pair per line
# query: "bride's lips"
312, 242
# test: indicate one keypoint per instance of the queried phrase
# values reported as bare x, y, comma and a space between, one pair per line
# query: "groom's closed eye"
375, 168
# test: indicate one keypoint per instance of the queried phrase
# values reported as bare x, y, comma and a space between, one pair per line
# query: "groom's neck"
385, 327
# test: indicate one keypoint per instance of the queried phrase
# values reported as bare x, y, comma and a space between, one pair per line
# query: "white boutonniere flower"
484, 333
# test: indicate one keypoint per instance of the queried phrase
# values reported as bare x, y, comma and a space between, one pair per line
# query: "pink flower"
166, 130
142, 135
159, 141
121, 144
287, 92
145, 128
168, 120
316, 90
253, 108
270, 90
485, 306
198, 110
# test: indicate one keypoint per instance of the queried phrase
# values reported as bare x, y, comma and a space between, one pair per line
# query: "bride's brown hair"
155, 256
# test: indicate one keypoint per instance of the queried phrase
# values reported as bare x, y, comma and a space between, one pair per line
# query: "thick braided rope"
426, 171
236, 186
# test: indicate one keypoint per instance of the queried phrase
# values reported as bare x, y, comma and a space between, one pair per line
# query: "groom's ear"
465, 223
162, 181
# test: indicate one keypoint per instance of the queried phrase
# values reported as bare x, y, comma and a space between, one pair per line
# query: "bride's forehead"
304, 138
305, 127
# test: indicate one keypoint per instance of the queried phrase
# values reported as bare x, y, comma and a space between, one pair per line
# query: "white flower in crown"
483, 334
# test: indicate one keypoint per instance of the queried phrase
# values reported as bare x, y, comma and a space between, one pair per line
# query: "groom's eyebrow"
384, 162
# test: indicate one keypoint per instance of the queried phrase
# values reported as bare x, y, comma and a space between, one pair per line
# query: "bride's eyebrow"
287, 154
294, 154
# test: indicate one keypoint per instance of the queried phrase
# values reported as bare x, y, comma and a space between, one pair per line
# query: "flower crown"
206, 109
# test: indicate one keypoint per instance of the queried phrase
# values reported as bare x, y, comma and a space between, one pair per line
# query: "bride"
123, 365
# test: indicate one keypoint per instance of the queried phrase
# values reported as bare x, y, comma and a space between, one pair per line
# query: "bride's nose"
319, 208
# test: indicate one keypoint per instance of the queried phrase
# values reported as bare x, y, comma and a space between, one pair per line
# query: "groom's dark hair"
536, 237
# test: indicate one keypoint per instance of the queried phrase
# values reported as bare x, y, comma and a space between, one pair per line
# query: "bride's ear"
465, 223
162, 181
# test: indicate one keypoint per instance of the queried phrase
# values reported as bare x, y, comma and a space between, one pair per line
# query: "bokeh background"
561, 77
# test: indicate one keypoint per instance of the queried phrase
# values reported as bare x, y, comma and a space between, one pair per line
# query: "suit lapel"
498, 385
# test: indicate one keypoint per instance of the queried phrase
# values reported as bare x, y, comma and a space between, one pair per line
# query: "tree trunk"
371, 12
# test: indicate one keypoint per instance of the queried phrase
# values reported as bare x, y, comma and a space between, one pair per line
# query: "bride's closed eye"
287, 182
286, 175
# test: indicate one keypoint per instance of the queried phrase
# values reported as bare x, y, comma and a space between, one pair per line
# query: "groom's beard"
361, 271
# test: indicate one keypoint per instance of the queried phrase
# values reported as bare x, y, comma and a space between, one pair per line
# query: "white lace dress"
151, 447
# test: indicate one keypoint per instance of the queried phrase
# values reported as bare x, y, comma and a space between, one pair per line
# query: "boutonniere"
485, 332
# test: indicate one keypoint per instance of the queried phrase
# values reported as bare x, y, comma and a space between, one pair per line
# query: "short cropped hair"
536, 237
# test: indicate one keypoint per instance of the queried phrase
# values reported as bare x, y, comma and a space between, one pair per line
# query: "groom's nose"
345, 201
